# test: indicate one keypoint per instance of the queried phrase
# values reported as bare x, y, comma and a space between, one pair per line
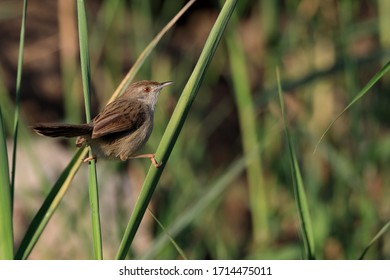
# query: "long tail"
62, 130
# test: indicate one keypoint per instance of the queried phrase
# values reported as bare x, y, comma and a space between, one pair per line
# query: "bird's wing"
121, 115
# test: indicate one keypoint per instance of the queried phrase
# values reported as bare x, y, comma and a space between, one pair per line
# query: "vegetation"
257, 85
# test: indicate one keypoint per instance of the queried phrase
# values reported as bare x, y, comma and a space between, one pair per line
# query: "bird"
120, 130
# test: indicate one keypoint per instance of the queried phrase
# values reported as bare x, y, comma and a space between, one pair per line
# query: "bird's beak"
164, 84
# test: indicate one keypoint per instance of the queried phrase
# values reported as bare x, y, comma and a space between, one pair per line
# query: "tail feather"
62, 130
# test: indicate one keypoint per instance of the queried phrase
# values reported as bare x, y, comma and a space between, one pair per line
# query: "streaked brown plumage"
121, 129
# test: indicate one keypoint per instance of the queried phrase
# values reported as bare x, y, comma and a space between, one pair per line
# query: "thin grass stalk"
166, 233
59, 189
92, 175
361, 93
95, 213
299, 189
6, 225
8, 106
174, 126
249, 138
17, 98
381, 232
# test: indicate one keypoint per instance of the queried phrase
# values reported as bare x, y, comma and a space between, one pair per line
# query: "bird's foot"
80, 141
90, 158
151, 157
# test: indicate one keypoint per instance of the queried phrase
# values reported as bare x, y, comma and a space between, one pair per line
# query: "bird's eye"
146, 89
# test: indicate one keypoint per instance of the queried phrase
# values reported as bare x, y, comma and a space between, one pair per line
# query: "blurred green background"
207, 199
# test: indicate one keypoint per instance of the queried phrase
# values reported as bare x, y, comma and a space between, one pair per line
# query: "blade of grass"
174, 126
17, 98
364, 90
41, 219
6, 227
249, 137
50, 204
95, 214
92, 175
169, 236
376, 237
299, 190
7, 187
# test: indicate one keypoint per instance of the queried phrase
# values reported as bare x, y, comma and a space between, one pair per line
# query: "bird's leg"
80, 142
151, 157
93, 157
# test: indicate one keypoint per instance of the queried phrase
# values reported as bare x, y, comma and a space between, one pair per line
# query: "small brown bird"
120, 130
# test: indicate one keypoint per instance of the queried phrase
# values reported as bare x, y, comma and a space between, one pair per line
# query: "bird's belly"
120, 146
